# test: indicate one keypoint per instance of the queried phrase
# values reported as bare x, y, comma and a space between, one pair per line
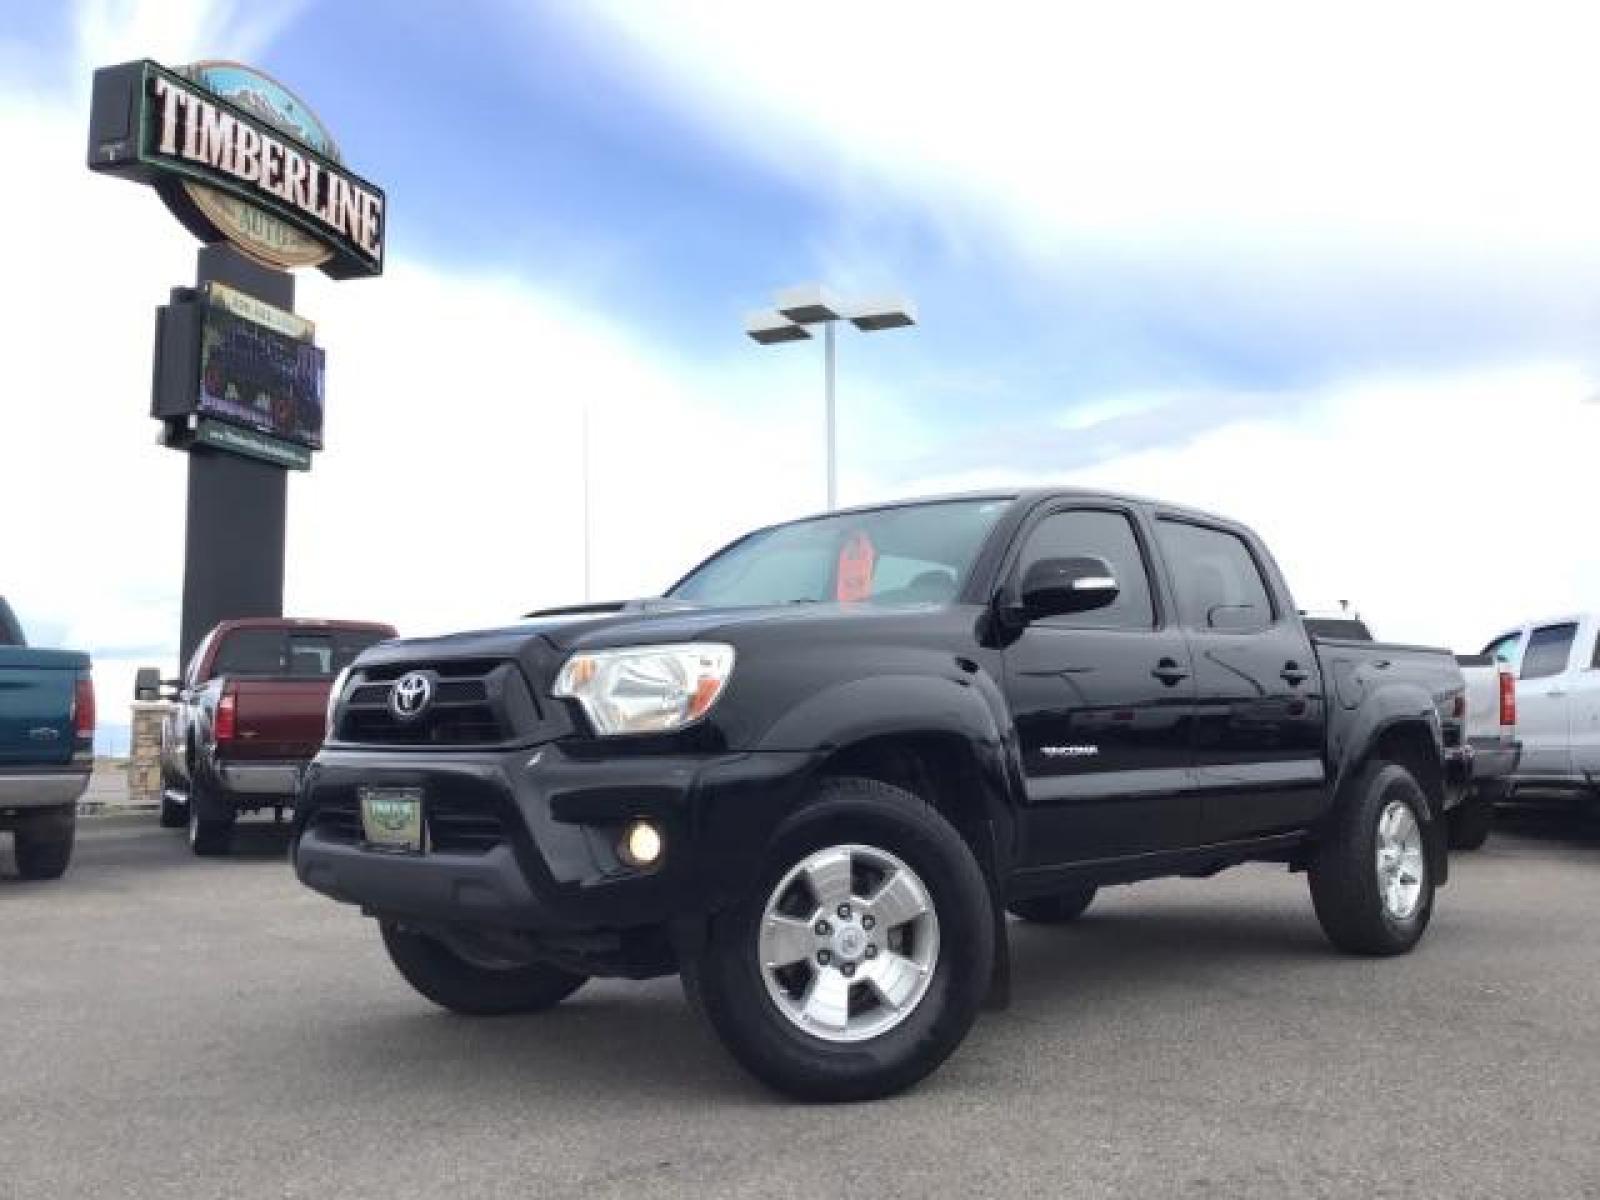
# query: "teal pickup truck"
46, 748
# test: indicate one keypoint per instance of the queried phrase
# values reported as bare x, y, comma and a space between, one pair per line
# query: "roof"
301, 623
1030, 494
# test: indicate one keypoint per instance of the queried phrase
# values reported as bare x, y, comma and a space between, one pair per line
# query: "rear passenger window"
1504, 648
250, 652
310, 655
1218, 583
1548, 651
1107, 535
347, 643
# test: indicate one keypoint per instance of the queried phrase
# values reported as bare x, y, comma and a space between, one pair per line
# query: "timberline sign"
238, 157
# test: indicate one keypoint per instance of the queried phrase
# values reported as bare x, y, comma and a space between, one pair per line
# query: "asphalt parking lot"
180, 1027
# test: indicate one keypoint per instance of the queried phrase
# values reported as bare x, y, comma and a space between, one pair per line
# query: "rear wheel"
209, 836
44, 848
1470, 823
1056, 909
1370, 882
480, 986
860, 959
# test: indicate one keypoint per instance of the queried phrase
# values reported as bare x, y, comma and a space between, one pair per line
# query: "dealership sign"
238, 157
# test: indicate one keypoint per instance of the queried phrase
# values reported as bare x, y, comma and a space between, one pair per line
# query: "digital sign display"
259, 367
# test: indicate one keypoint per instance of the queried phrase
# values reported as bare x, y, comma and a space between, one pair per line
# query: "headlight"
342, 678
646, 689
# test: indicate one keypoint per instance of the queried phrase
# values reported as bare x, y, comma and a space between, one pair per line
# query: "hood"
635, 623
544, 639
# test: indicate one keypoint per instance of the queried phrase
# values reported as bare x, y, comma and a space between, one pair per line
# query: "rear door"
1543, 700
1259, 723
1101, 702
1583, 712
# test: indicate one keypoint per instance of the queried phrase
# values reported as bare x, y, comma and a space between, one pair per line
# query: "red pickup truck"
249, 713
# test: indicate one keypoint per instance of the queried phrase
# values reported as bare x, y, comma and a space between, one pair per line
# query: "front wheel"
860, 958
1370, 881
478, 987
174, 813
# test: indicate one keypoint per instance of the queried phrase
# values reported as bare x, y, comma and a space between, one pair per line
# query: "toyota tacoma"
815, 776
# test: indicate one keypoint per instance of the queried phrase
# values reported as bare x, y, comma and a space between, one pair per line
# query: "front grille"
339, 821
476, 702
456, 825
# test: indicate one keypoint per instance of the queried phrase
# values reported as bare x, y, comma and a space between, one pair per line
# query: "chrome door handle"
1169, 672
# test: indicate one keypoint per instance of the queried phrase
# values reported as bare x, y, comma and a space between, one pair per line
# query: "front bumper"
41, 787
526, 839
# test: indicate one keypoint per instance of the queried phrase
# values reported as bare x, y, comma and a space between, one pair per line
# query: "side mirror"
1053, 587
147, 684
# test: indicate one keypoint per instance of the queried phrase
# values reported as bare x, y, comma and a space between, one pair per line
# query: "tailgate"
36, 690
278, 719
1483, 696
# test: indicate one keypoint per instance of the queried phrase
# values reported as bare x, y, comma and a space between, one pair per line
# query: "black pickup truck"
815, 775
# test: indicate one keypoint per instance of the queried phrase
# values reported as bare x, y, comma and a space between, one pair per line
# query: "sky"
1335, 274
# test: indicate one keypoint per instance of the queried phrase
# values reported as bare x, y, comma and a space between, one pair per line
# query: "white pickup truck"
1492, 732
1557, 665
1495, 739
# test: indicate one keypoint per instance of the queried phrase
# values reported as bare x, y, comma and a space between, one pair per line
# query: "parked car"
816, 774
1491, 724
1496, 744
46, 748
248, 715
1557, 664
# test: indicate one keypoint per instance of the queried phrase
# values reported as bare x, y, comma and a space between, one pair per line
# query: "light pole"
812, 304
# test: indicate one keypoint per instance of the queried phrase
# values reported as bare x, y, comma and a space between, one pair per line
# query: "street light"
813, 304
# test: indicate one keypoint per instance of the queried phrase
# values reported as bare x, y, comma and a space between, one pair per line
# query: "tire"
173, 814
1468, 824
209, 837
1366, 907
928, 940
1058, 908
476, 990
44, 848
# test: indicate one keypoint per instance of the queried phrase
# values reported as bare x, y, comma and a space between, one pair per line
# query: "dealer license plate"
391, 818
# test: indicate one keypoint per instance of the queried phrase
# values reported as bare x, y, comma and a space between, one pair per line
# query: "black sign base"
234, 551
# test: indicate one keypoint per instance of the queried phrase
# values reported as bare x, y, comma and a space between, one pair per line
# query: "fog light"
641, 845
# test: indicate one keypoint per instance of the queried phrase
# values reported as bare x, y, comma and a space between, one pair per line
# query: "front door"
1544, 702
1101, 701
1259, 716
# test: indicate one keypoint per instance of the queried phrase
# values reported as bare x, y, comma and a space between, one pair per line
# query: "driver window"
1108, 535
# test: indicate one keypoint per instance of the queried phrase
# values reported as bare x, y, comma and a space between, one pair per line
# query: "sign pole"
234, 546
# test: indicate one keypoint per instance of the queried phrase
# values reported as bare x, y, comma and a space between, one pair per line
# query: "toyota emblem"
411, 695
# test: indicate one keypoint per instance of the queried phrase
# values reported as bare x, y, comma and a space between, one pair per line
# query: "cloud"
1440, 506
451, 493
1362, 186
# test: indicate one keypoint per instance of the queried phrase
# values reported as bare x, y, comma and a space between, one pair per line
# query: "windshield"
912, 554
